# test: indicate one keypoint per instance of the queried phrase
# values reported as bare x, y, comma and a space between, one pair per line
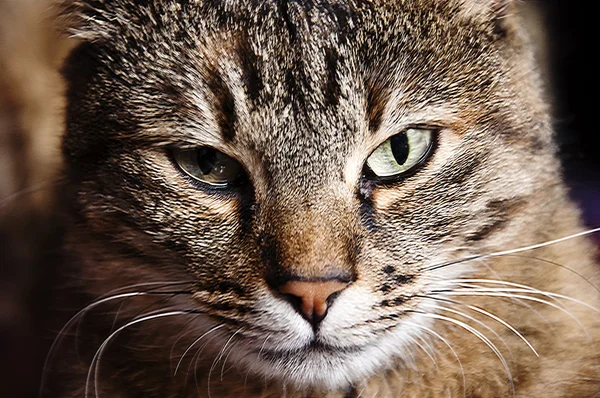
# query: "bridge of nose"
310, 249
311, 243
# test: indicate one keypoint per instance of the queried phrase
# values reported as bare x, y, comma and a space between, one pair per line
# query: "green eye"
401, 153
209, 166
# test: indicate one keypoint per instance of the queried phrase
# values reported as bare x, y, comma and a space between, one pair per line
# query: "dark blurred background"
572, 32
565, 31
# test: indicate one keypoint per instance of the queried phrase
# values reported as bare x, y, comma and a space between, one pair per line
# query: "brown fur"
301, 93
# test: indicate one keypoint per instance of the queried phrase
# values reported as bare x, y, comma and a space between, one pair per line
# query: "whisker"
443, 340
98, 355
512, 251
225, 360
470, 285
171, 356
428, 346
159, 302
217, 359
526, 288
418, 344
445, 283
490, 315
155, 285
543, 260
262, 347
145, 293
219, 326
460, 313
479, 335
469, 292
489, 267
48, 183
70, 323
114, 324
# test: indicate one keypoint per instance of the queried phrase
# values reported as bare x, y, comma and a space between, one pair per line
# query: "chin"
313, 367
322, 367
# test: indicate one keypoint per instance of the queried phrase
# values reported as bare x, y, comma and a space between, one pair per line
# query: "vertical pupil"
400, 149
206, 159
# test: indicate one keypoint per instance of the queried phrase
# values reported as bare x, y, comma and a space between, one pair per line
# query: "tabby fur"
301, 93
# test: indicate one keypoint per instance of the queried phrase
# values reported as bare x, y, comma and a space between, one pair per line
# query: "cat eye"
209, 166
401, 154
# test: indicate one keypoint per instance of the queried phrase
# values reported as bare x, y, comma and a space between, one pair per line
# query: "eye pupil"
400, 154
400, 149
206, 159
209, 166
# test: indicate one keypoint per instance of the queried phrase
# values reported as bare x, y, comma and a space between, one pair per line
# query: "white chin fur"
330, 369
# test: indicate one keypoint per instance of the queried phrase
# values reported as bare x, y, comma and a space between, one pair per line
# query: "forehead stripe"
224, 104
377, 98
249, 63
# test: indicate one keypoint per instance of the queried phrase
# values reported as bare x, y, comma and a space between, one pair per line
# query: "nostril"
312, 298
295, 301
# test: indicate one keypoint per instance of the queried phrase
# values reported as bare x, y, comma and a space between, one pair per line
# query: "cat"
317, 199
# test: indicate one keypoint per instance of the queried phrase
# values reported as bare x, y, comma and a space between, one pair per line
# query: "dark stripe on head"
341, 16
377, 98
249, 62
224, 104
283, 7
296, 80
332, 86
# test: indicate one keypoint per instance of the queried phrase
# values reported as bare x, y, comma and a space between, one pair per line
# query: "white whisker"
194, 343
426, 351
460, 313
138, 285
72, 321
544, 244
526, 288
482, 337
543, 260
443, 340
225, 359
177, 340
494, 317
218, 358
512, 251
469, 292
98, 355
262, 347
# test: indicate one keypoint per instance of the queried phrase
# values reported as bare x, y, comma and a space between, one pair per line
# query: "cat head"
304, 166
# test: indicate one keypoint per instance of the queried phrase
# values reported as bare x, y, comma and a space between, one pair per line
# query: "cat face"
313, 255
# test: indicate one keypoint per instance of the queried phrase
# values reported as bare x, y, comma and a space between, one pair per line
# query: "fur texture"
301, 93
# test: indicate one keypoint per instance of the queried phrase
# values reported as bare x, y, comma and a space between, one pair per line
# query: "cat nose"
314, 297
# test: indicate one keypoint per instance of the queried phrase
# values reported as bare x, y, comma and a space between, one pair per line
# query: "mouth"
313, 349
316, 365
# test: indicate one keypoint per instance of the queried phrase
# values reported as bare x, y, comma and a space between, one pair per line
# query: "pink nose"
314, 295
